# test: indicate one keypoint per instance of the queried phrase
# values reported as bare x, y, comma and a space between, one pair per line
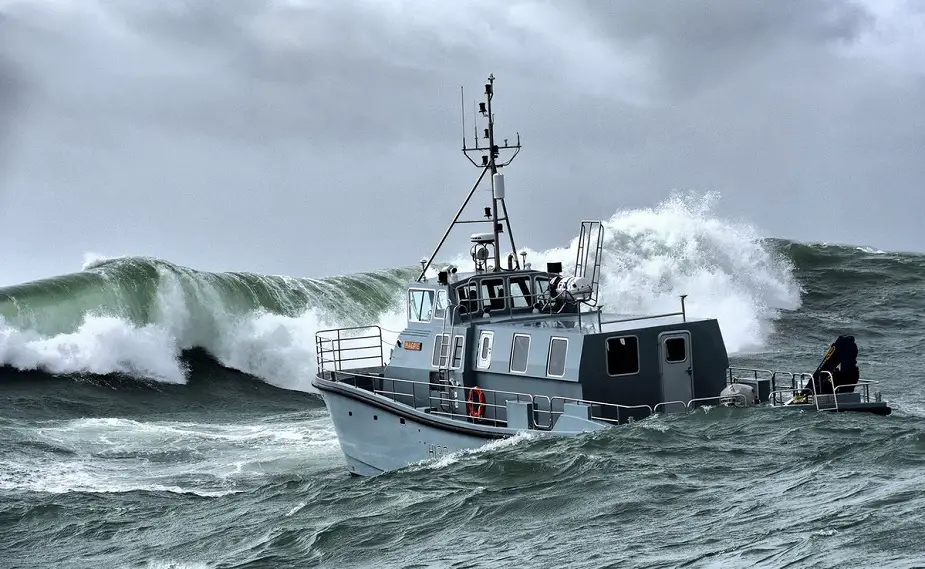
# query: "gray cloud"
697, 44
12, 94
316, 138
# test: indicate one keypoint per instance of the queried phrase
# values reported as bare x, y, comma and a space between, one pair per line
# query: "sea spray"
90, 322
652, 256
136, 315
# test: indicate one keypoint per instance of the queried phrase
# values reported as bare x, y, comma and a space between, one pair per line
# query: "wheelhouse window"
520, 352
493, 294
420, 305
520, 292
540, 287
440, 307
675, 350
441, 350
468, 296
558, 348
622, 355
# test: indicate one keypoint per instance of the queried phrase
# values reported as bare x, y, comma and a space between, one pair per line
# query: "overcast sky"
320, 137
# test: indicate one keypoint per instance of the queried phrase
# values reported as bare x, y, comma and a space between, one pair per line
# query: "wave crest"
136, 315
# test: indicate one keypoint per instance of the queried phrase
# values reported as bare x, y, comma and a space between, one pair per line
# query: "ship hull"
376, 435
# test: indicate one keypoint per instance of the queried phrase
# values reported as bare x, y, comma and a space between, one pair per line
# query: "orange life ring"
476, 409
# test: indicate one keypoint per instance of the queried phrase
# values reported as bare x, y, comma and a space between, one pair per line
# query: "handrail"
616, 406
667, 403
521, 397
548, 425
636, 318
455, 307
772, 375
330, 342
718, 398
776, 399
493, 403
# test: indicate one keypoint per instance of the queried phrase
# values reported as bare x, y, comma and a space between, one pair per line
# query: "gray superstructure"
507, 348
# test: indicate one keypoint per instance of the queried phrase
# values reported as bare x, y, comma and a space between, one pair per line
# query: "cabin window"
675, 350
520, 292
485, 341
468, 296
493, 294
459, 343
623, 355
558, 348
440, 306
520, 352
540, 287
420, 305
441, 350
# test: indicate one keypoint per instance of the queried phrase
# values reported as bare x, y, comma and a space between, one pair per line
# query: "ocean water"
153, 415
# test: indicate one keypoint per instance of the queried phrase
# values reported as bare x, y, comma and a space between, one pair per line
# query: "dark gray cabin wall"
641, 388
709, 362
710, 359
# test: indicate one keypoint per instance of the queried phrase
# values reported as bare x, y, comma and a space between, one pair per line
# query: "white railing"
454, 400
331, 345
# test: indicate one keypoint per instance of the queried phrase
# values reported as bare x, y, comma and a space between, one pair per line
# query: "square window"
520, 292
622, 355
420, 305
675, 350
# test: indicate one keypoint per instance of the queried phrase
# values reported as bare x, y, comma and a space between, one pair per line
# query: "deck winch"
737, 395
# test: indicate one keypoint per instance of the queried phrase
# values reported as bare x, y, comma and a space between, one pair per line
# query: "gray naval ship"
507, 348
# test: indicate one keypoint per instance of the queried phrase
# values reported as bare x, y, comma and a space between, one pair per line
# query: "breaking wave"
136, 316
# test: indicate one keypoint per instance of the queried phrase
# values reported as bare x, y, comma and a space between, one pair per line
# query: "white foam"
187, 313
167, 564
454, 457
651, 256
100, 345
654, 255
113, 455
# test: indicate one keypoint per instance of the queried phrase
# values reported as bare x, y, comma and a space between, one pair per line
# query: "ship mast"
489, 164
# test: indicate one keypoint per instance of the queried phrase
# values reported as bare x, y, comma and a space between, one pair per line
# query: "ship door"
676, 368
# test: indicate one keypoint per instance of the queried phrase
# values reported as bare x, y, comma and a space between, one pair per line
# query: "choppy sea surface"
153, 415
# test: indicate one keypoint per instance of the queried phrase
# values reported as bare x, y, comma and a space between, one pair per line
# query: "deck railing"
450, 400
363, 349
458, 311
800, 384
